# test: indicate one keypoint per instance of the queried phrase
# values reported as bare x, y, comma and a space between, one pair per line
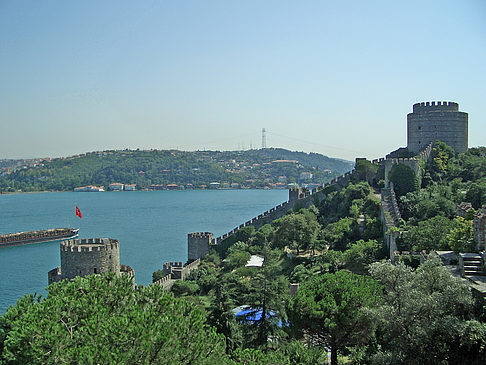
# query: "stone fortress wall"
433, 121
412, 162
305, 198
390, 218
86, 257
479, 228
440, 121
297, 196
176, 271
198, 244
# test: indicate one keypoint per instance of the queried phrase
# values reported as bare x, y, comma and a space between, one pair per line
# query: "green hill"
253, 168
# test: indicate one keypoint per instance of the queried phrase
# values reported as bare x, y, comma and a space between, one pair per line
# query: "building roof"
255, 261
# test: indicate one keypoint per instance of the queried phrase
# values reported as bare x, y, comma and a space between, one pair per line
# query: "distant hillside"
272, 167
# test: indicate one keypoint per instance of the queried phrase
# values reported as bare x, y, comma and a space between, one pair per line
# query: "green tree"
476, 194
361, 255
338, 203
340, 234
182, 288
460, 237
263, 235
267, 293
103, 320
288, 353
331, 307
221, 314
442, 155
296, 231
425, 316
403, 178
364, 170
428, 235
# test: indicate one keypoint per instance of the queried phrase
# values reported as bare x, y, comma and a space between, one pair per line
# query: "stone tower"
86, 257
433, 121
198, 245
479, 226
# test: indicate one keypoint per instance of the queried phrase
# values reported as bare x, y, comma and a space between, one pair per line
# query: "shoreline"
109, 191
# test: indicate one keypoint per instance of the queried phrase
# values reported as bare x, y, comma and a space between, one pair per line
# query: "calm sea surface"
151, 226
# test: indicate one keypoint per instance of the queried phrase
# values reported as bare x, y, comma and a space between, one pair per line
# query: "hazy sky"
334, 77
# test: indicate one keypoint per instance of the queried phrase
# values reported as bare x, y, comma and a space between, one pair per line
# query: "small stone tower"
479, 226
86, 257
198, 245
433, 121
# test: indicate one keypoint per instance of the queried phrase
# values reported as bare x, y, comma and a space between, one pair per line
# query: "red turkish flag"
78, 212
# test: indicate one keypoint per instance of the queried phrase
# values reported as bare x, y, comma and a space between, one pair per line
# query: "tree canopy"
403, 178
104, 320
330, 306
425, 317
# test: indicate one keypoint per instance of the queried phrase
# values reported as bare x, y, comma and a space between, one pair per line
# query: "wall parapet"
88, 245
176, 271
299, 196
434, 106
390, 218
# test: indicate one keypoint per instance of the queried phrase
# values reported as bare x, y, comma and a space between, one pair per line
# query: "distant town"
131, 170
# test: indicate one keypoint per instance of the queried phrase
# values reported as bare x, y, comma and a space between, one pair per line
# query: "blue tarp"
253, 315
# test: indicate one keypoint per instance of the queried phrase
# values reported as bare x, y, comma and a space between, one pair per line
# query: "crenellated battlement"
200, 235
89, 245
170, 265
176, 270
435, 106
165, 282
432, 121
87, 256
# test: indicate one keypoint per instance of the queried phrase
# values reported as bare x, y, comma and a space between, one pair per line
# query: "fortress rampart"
305, 198
433, 121
165, 282
88, 256
413, 162
176, 271
297, 197
390, 217
200, 242
479, 228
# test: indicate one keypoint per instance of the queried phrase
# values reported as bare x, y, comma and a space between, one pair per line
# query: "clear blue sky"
334, 77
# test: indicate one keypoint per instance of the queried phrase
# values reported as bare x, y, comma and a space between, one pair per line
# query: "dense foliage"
103, 320
429, 214
426, 317
329, 308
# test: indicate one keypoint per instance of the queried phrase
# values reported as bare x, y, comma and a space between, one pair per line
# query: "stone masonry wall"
433, 121
390, 218
479, 227
303, 197
176, 271
198, 244
86, 257
412, 162
297, 196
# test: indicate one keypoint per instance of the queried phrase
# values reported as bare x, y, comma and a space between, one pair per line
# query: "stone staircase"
471, 264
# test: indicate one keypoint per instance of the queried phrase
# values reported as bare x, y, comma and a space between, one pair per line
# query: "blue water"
151, 226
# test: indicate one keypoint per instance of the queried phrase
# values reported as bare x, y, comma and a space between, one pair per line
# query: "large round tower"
87, 257
433, 121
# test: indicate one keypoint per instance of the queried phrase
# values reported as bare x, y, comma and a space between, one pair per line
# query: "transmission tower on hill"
264, 138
